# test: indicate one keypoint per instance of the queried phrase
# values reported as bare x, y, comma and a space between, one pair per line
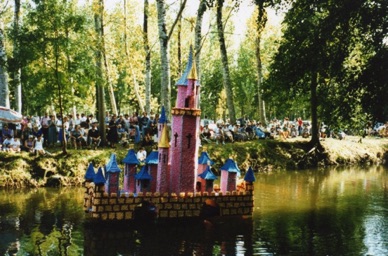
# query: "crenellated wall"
102, 206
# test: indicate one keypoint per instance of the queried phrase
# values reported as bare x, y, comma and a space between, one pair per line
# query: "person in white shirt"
141, 154
15, 145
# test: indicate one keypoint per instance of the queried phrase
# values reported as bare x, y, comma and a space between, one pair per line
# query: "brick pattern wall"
100, 205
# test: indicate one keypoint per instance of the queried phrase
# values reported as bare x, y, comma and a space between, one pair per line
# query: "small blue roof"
205, 159
230, 166
99, 179
152, 158
131, 158
183, 80
112, 166
250, 176
90, 173
143, 174
208, 174
162, 118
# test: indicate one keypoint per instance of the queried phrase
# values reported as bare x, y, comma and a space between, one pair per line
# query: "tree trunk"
198, 34
314, 115
260, 25
224, 57
16, 50
4, 89
59, 88
99, 9
107, 75
147, 59
165, 91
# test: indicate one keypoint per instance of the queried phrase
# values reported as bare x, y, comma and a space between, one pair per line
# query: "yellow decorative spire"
193, 71
163, 141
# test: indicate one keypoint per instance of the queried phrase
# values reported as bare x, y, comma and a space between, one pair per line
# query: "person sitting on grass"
76, 137
39, 146
94, 138
15, 145
29, 144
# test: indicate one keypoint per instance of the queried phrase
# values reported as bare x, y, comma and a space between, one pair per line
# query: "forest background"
326, 61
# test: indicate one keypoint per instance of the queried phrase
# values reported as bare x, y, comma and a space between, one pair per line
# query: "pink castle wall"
129, 178
162, 176
153, 170
184, 159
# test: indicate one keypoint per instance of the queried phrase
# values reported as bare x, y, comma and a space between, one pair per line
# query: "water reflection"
183, 238
316, 212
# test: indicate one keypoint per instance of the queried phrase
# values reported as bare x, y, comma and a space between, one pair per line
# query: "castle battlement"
103, 206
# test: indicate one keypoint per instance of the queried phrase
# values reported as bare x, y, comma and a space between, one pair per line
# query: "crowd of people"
245, 129
35, 134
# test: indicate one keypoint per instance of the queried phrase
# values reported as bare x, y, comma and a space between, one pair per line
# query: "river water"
316, 212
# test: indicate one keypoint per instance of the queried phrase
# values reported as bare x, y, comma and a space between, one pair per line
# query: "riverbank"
26, 170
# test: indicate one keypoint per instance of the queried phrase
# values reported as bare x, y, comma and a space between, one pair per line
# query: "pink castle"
170, 180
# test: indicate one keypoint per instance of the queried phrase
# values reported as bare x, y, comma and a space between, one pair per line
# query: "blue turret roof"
143, 174
162, 118
184, 80
152, 158
250, 176
208, 174
131, 158
99, 179
90, 173
205, 159
112, 166
230, 166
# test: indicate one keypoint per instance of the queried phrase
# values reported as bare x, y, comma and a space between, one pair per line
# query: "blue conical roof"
208, 174
99, 179
131, 158
152, 158
184, 80
250, 176
162, 118
90, 173
143, 174
230, 166
112, 166
205, 159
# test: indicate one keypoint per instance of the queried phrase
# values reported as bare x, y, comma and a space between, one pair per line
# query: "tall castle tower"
185, 131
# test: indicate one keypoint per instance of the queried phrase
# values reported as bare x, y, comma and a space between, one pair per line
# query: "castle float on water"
174, 182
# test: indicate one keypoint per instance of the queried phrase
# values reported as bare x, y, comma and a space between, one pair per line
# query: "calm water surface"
325, 212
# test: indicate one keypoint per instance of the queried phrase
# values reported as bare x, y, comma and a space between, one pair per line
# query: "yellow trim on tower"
163, 142
193, 71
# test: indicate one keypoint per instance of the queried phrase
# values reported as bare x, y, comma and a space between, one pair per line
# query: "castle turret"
143, 180
152, 163
204, 161
90, 173
162, 175
112, 176
131, 162
229, 173
99, 180
249, 179
185, 132
207, 179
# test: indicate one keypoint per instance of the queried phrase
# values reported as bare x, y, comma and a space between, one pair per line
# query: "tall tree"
320, 53
225, 65
98, 7
261, 21
164, 37
147, 58
16, 49
4, 88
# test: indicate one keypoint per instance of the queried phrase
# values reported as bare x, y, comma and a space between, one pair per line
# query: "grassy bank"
26, 170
